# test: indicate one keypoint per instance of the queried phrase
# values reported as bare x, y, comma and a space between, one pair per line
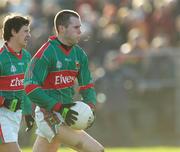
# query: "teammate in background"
49, 82
13, 99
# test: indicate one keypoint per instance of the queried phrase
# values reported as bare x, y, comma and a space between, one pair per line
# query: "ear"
13, 32
61, 29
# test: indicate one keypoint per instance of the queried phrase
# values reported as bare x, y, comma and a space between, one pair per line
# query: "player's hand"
29, 122
91, 120
68, 114
12, 104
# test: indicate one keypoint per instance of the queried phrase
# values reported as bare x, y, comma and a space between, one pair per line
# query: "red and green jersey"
12, 69
52, 73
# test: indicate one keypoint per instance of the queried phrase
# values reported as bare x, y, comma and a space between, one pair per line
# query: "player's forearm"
39, 97
26, 105
89, 95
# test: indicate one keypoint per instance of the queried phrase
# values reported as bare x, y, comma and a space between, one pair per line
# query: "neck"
13, 45
63, 41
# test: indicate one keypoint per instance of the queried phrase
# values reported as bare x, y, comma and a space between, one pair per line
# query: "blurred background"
134, 50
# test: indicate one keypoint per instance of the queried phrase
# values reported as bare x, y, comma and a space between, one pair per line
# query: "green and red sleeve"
34, 77
85, 81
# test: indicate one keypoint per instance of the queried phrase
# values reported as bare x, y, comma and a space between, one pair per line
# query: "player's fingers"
70, 122
73, 117
74, 112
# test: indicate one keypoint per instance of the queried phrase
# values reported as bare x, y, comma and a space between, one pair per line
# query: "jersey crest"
13, 68
77, 65
59, 64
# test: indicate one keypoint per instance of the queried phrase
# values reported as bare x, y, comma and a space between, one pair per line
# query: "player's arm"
0, 67
26, 104
86, 88
34, 77
27, 111
86, 84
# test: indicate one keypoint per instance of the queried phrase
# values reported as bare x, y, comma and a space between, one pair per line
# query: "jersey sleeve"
86, 85
0, 67
35, 75
26, 105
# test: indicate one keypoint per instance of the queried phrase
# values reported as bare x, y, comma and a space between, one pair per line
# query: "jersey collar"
18, 55
65, 49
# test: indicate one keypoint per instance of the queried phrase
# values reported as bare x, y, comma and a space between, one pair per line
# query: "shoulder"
81, 54
3, 54
80, 50
2, 49
44, 49
26, 53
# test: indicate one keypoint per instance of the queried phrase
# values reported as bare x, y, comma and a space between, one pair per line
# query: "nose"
79, 31
29, 35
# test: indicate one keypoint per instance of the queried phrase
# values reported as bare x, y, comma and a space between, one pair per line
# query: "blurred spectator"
163, 19
177, 25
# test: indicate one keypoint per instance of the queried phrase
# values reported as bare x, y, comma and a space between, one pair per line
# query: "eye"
77, 27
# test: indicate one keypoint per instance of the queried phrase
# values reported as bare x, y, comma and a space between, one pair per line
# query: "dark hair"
62, 18
14, 22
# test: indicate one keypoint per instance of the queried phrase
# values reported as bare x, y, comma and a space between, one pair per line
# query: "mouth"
26, 39
78, 38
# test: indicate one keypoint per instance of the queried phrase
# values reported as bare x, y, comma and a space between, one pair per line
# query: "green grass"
143, 149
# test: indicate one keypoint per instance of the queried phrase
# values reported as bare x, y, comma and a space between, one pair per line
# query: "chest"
12, 65
62, 61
